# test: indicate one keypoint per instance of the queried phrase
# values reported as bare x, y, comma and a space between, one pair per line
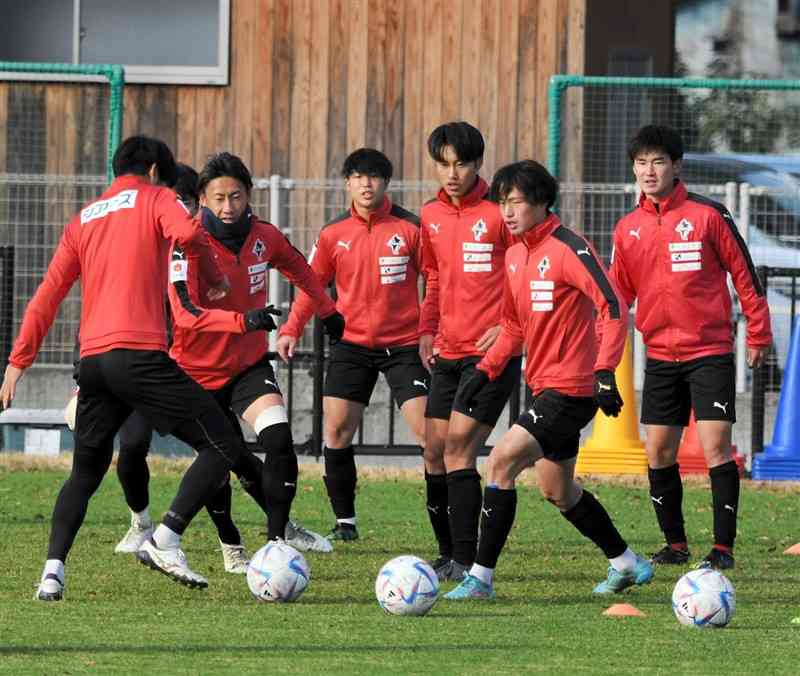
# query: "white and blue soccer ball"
704, 598
406, 585
277, 572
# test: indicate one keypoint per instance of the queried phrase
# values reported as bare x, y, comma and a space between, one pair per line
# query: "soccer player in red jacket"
214, 344
373, 252
464, 242
673, 254
136, 432
554, 286
117, 246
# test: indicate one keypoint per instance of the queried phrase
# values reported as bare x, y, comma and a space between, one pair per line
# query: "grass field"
119, 617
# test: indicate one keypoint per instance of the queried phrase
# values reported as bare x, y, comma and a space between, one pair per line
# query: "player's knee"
338, 435
433, 453
276, 439
458, 445
273, 431
89, 466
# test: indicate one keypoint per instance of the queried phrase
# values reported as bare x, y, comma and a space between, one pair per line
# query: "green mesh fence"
59, 127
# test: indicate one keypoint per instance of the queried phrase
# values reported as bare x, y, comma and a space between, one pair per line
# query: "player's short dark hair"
367, 161
462, 137
186, 183
136, 154
656, 137
224, 164
530, 178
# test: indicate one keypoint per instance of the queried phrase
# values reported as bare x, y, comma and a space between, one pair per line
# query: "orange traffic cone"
615, 447
623, 610
691, 458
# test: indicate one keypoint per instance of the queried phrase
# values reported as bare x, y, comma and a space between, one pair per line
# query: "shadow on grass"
266, 650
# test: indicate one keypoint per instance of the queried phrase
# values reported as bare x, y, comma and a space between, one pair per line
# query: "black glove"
606, 393
334, 327
472, 386
261, 320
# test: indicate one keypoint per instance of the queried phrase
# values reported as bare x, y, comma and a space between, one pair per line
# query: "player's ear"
677, 164
152, 174
478, 164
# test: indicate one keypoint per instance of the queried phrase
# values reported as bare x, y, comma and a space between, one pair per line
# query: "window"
176, 42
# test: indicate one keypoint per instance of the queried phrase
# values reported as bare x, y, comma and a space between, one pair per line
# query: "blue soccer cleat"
616, 581
471, 588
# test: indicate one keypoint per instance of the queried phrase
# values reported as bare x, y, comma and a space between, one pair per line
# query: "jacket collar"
472, 198
381, 212
127, 180
674, 200
538, 233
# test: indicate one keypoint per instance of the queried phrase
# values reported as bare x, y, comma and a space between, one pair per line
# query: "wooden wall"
311, 80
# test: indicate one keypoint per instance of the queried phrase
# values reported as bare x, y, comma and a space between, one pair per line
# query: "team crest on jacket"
479, 229
544, 266
259, 249
684, 228
395, 243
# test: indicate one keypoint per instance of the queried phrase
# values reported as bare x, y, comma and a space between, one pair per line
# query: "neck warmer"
231, 235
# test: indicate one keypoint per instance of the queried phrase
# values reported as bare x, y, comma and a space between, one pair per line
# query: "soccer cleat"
458, 571
617, 581
718, 560
670, 556
442, 567
134, 539
471, 588
50, 589
235, 558
343, 531
170, 562
305, 540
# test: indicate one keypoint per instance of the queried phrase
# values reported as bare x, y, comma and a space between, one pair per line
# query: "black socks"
436, 489
340, 480
666, 494
497, 518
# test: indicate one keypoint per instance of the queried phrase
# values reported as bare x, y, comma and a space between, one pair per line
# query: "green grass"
119, 617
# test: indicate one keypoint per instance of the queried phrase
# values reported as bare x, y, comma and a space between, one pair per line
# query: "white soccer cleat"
171, 562
50, 589
305, 540
235, 557
134, 539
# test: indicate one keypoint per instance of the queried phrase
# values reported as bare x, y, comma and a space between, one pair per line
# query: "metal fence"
300, 207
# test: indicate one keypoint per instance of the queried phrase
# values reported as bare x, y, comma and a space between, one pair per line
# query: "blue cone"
781, 459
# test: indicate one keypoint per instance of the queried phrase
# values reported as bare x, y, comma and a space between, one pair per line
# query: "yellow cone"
615, 447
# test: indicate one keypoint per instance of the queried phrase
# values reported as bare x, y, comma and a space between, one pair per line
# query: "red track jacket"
118, 245
463, 250
376, 267
209, 343
553, 283
674, 259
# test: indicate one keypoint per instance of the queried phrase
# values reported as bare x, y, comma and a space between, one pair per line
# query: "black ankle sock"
725, 495
464, 500
219, 509
666, 494
340, 480
592, 521
436, 488
497, 517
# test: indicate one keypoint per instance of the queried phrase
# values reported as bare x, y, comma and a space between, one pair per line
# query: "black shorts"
555, 420
447, 376
353, 371
251, 384
115, 383
671, 389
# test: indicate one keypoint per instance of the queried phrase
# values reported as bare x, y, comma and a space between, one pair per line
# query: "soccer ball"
704, 598
277, 572
406, 585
